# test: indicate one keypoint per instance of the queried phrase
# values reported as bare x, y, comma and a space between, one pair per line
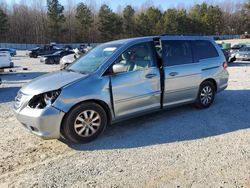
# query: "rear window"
204, 49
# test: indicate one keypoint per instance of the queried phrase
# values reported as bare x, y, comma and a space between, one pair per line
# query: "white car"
5, 60
243, 54
67, 60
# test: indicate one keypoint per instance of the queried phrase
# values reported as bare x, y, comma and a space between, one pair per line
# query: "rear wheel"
49, 62
206, 95
84, 123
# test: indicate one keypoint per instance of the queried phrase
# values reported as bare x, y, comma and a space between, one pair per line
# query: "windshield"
57, 53
245, 49
93, 59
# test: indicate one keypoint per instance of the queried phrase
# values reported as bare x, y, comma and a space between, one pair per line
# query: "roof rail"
181, 34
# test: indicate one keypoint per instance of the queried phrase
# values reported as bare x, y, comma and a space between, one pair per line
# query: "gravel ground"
181, 147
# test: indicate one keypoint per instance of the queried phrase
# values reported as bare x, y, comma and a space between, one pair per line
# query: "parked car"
67, 47
243, 54
119, 80
85, 48
47, 49
67, 60
55, 57
232, 53
5, 60
12, 51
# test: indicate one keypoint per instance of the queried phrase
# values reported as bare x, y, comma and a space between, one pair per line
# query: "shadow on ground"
8, 94
229, 113
239, 64
18, 77
13, 81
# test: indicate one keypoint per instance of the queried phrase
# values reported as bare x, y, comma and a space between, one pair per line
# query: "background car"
55, 57
67, 60
84, 48
67, 47
5, 60
232, 53
243, 54
47, 49
12, 51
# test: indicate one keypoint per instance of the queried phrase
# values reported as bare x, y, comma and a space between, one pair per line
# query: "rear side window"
204, 49
177, 52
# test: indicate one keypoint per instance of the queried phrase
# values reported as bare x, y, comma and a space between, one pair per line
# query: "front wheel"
206, 95
84, 123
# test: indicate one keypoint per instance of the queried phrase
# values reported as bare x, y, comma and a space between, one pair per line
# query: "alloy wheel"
87, 123
206, 95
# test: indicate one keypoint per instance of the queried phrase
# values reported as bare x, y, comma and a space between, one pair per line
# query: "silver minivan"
120, 80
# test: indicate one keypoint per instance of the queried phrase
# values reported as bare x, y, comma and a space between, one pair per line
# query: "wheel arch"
213, 81
101, 103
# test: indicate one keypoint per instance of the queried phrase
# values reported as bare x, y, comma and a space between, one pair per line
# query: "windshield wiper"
72, 70
69, 70
84, 72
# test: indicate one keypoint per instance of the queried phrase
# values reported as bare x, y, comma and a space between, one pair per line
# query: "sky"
116, 4
164, 4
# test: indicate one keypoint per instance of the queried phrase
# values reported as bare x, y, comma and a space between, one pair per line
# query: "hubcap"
87, 123
206, 95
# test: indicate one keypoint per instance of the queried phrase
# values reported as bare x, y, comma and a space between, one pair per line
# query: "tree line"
36, 23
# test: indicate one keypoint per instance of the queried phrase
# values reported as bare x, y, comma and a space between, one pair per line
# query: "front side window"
177, 52
137, 57
93, 59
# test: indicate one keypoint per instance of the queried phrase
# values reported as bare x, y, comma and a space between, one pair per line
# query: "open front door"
136, 88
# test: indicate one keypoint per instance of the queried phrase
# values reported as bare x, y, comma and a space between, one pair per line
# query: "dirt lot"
181, 147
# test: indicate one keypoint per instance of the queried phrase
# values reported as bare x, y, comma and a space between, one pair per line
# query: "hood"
68, 58
50, 82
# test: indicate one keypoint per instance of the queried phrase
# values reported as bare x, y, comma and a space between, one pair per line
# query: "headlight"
45, 99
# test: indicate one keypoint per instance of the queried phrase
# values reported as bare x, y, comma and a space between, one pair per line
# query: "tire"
79, 127
49, 62
35, 55
206, 95
232, 59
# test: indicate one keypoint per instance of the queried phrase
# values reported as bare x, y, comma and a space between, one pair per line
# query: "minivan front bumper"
44, 123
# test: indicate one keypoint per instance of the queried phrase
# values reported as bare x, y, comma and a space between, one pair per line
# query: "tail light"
225, 65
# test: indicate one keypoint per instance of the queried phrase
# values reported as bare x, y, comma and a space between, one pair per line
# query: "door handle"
150, 75
173, 73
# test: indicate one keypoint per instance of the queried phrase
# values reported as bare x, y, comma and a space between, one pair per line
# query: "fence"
76, 45
30, 46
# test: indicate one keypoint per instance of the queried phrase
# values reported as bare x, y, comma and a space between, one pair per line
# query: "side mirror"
119, 67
